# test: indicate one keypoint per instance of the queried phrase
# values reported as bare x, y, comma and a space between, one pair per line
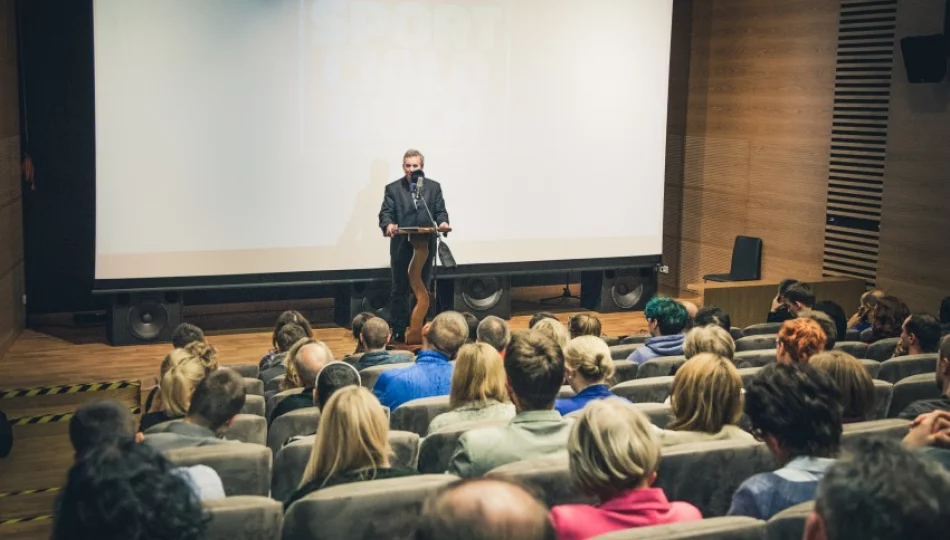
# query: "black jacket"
398, 207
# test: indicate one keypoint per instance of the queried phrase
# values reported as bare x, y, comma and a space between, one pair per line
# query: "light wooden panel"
11, 214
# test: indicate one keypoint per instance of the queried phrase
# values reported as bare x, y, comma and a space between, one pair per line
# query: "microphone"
415, 182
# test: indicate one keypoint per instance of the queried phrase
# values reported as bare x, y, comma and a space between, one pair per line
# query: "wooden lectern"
419, 237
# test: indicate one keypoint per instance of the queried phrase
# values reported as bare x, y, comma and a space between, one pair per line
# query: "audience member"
431, 375
709, 339
478, 388
218, 399
613, 454
942, 403
356, 328
375, 336
186, 333
554, 330
101, 424
587, 368
706, 398
798, 296
930, 434
713, 315
274, 366
666, 318
493, 331
881, 491
285, 318
945, 315
836, 312
484, 509
584, 324
779, 311
351, 445
539, 316
534, 365
861, 320
306, 365
6, 435
798, 340
472, 322
853, 381
920, 334
691, 310
332, 377
127, 491
177, 387
826, 323
794, 409
887, 318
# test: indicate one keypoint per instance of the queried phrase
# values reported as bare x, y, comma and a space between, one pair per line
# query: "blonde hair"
353, 436
853, 382
179, 383
706, 395
612, 448
206, 354
292, 377
553, 329
590, 357
479, 376
584, 324
709, 339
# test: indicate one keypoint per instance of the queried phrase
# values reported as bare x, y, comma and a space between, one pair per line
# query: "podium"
419, 237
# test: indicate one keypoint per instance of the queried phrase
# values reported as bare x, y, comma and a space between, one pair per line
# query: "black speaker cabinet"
353, 298
144, 317
925, 58
617, 290
481, 296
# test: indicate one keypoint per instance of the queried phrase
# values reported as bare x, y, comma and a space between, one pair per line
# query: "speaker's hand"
391, 229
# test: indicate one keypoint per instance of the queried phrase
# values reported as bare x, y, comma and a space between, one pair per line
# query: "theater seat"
789, 524
272, 386
376, 509
769, 328
911, 389
437, 449
565, 392
633, 340
253, 386
660, 414
736, 333
416, 415
403, 357
883, 394
247, 428
872, 366
550, 475
719, 528
246, 370
300, 422
755, 343
896, 369
857, 349
622, 352
755, 358
891, 428
369, 375
611, 340
254, 405
245, 469
748, 374
244, 517
625, 370
852, 334
652, 390
274, 400
660, 367
882, 350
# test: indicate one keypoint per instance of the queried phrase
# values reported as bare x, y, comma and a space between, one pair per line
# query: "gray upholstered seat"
769, 328
247, 428
896, 369
246, 370
719, 528
369, 375
736, 333
274, 400
852, 335
244, 469
565, 392
550, 475
436, 449
404, 357
911, 389
622, 352
611, 340
635, 339
272, 386
254, 405
293, 424
756, 342
873, 367
660, 367
244, 517
857, 349
883, 393
416, 415
253, 386
707, 474
882, 349
660, 414
754, 358
891, 428
748, 374
652, 390
789, 524
378, 509
625, 370
292, 459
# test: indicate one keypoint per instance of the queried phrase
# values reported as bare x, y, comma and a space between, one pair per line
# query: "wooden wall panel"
11, 208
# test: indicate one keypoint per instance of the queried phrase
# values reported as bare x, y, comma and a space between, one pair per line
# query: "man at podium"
411, 201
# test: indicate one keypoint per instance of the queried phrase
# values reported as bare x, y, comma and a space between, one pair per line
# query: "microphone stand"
438, 240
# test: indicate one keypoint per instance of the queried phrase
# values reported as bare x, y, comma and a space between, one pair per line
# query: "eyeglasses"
757, 434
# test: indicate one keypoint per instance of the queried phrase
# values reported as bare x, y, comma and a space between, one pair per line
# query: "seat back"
883, 393
622, 352
652, 390
272, 386
293, 424
369, 375
896, 369
890, 428
375, 509
748, 374
254, 405
873, 367
550, 475
437, 448
245, 469
660, 414
635, 339
625, 370
736, 333
611, 340
565, 392
882, 349
247, 428
789, 524
707, 474
857, 349
755, 358
274, 400
717, 528
244, 517
402, 357
768, 328
911, 389
415, 415
253, 386
746, 259
756, 342
660, 367
853, 334
246, 370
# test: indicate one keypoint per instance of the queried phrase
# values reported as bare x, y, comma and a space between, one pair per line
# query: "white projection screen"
238, 137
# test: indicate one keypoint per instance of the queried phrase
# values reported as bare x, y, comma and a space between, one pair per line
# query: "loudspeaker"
143, 317
481, 296
354, 298
617, 290
925, 58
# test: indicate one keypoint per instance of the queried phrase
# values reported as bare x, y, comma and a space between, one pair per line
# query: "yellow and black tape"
28, 492
14, 521
52, 418
68, 389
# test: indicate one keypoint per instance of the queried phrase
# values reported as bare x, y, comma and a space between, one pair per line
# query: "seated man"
273, 366
431, 375
798, 296
334, 376
942, 403
779, 311
218, 398
493, 331
667, 319
534, 366
356, 326
375, 335
713, 315
107, 423
186, 333
309, 360
920, 334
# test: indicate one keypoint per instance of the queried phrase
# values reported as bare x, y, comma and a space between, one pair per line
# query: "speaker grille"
482, 294
147, 319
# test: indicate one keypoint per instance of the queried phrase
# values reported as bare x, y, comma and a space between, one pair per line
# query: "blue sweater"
767, 494
585, 396
431, 375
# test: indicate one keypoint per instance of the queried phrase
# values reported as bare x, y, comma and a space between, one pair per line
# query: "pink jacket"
634, 508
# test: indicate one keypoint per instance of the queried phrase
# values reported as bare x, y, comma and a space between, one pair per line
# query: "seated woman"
583, 324
614, 454
887, 318
478, 388
182, 370
587, 367
709, 339
289, 317
853, 381
351, 445
553, 329
798, 340
706, 397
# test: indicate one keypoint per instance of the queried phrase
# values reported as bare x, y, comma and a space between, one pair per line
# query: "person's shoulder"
685, 511
571, 520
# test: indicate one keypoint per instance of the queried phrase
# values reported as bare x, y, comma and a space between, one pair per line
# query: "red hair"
802, 339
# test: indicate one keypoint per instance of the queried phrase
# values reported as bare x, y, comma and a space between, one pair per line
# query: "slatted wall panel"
866, 38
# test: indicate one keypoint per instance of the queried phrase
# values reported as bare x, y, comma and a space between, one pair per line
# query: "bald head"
691, 308
483, 509
310, 360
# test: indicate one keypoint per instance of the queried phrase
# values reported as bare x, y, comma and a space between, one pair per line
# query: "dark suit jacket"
398, 207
